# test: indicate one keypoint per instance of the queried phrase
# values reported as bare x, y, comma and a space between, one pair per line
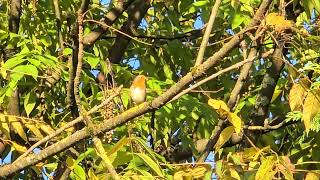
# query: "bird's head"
139, 81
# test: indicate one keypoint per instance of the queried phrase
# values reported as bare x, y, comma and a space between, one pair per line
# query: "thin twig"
118, 31
267, 127
235, 66
207, 32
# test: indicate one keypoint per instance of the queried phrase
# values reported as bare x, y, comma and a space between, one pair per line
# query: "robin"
138, 89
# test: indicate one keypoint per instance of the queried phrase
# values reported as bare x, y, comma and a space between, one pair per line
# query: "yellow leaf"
258, 153
234, 174
47, 129
278, 22
221, 107
70, 162
34, 129
4, 125
265, 170
224, 137
18, 128
3, 71
276, 93
296, 96
179, 175
18, 147
311, 107
235, 121
312, 176
198, 172
218, 104
92, 175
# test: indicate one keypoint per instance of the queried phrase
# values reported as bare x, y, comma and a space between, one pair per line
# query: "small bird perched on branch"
138, 89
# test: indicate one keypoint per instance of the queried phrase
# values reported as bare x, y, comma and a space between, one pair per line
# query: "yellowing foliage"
311, 107
278, 23
225, 135
296, 96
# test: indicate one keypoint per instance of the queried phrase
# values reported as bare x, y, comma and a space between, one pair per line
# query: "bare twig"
266, 127
118, 31
235, 66
207, 33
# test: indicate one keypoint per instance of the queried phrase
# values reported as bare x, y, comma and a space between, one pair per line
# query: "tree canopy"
233, 89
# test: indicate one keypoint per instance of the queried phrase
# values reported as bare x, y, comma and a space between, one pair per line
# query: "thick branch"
139, 9
268, 85
14, 16
241, 79
137, 110
110, 18
14, 21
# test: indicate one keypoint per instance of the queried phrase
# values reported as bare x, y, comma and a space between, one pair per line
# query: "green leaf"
79, 172
91, 59
19, 71
237, 20
29, 102
13, 62
152, 164
89, 151
67, 51
199, 3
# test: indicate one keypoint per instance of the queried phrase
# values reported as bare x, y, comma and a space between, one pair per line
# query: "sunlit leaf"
234, 174
18, 147
311, 107
17, 126
224, 137
29, 102
312, 176
265, 169
153, 165
235, 121
4, 126
296, 96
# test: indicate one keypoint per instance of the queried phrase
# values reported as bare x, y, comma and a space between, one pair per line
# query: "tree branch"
244, 73
268, 84
139, 9
110, 18
58, 21
207, 33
